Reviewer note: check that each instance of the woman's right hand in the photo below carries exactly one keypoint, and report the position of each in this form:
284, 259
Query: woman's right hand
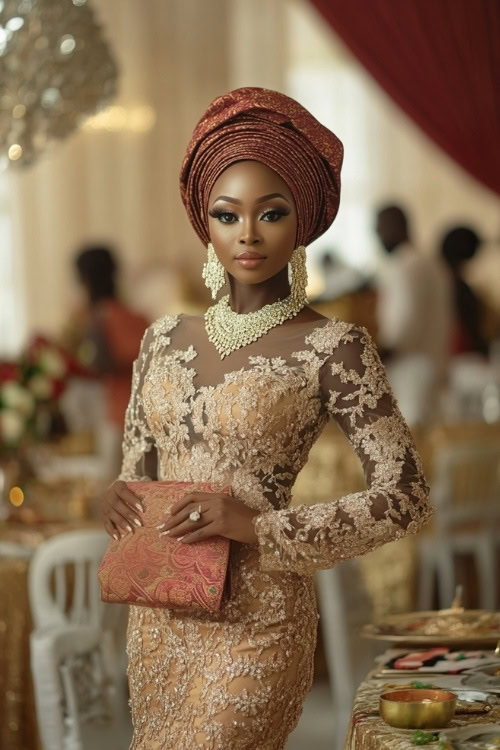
120, 510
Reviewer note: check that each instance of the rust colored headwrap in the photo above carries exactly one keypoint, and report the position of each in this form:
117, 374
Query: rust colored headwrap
269, 127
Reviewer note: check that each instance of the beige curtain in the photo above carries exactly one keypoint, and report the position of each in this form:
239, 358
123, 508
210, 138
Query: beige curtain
122, 186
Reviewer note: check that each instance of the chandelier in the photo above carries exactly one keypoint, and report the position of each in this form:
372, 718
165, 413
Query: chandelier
56, 69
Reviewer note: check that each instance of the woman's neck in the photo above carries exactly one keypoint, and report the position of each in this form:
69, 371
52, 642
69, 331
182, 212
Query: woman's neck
246, 298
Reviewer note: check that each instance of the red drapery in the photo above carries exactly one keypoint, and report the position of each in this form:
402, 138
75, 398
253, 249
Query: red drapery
440, 61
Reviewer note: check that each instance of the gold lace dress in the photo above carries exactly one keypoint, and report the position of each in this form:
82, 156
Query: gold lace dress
237, 679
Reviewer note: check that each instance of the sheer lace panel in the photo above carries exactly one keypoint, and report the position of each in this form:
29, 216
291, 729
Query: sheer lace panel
251, 419
140, 458
356, 393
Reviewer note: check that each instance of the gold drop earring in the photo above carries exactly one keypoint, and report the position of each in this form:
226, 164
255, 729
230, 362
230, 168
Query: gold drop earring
298, 275
213, 272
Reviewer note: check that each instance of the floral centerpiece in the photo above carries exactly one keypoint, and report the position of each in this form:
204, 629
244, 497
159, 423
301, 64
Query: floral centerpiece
17, 407
30, 389
29, 392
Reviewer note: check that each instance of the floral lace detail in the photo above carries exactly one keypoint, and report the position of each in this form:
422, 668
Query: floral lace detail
237, 679
139, 449
357, 394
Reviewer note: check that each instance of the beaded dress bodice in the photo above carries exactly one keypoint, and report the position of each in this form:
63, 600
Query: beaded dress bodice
250, 420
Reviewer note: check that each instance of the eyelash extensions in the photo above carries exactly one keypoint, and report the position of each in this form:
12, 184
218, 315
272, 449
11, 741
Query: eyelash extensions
218, 213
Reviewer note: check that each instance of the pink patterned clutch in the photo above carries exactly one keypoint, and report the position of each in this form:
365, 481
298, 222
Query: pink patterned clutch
144, 568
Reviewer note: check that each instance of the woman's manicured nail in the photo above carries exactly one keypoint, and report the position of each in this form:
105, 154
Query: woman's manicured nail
137, 522
129, 528
160, 526
139, 507
164, 533
115, 536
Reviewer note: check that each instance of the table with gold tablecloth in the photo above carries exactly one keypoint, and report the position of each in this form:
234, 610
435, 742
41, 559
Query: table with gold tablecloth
367, 731
18, 725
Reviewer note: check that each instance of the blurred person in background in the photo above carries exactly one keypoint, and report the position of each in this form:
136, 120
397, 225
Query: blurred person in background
482, 273
111, 337
459, 245
414, 314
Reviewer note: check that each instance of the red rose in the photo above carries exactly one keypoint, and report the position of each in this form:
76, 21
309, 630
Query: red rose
8, 371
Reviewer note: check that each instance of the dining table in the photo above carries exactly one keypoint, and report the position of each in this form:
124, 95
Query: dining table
368, 731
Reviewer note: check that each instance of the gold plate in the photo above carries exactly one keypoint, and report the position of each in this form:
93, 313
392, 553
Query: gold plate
447, 627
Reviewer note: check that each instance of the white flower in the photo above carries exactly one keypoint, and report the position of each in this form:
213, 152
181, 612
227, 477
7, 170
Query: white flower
41, 387
14, 396
11, 425
52, 363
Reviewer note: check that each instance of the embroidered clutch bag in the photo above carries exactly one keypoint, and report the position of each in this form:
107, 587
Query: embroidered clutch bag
146, 569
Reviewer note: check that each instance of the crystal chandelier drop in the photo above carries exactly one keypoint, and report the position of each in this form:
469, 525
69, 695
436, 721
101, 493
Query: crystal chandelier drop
55, 70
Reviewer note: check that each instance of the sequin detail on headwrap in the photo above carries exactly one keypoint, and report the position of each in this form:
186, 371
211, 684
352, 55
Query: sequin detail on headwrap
269, 127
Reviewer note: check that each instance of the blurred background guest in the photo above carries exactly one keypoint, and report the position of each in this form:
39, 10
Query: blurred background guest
414, 317
111, 333
483, 274
474, 374
459, 245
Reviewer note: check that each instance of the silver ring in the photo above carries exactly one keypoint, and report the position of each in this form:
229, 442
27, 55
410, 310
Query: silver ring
195, 515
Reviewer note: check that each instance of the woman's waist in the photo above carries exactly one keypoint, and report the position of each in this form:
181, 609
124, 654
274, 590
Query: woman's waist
245, 484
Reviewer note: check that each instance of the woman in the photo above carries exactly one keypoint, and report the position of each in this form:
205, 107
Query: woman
459, 246
239, 397
113, 330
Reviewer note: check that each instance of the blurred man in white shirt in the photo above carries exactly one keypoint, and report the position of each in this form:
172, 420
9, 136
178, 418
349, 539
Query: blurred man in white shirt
414, 314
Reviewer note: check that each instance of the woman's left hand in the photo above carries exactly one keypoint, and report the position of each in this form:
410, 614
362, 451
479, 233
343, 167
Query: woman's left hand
221, 515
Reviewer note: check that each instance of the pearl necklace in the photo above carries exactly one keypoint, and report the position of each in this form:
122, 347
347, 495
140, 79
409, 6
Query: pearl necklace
228, 330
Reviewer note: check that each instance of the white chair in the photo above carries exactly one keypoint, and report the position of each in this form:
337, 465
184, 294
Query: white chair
77, 646
344, 607
465, 490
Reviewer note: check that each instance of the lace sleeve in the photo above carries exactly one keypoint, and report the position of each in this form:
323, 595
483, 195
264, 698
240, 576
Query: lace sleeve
139, 450
355, 390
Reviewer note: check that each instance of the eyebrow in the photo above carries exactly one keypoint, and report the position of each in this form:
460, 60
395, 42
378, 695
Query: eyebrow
263, 198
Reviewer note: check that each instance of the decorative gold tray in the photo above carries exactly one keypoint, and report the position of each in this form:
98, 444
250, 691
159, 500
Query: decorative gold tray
447, 627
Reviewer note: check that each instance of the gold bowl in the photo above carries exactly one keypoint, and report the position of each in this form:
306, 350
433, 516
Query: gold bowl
418, 709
